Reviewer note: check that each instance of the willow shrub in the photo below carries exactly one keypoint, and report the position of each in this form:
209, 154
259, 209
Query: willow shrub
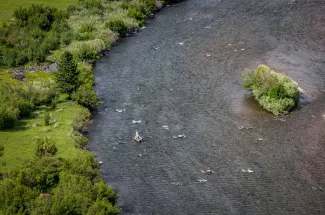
274, 91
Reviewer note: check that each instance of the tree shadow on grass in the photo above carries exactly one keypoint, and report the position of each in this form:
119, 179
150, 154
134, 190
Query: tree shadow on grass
20, 125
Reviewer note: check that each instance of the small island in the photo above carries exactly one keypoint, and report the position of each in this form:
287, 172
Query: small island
274, 91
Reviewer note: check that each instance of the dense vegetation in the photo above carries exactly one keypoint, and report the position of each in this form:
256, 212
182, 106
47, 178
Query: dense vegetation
81, 33
48, 184
274, 91
85, 29
43, 177
19, 99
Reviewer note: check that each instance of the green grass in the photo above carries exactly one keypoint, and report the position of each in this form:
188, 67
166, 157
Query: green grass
36, 76
19, 142
7, 7
4, 74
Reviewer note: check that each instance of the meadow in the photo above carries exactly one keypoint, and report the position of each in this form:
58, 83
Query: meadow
20, 142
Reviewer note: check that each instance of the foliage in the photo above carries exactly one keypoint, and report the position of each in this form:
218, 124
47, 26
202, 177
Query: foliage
67, 74
80, 122
47, 119
34, 33
86, 97
18, 99
2, 148
80, 140
87, 50
274, 91
51, 185
117, 26
44, 92
45, 147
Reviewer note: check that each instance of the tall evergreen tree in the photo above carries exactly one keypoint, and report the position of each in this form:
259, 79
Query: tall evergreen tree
67, 74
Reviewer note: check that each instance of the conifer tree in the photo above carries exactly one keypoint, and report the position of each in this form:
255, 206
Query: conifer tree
67, 74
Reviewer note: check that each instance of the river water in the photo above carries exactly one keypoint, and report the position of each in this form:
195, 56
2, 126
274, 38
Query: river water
184, 71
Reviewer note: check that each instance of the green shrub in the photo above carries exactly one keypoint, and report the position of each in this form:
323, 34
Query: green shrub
47, 118
117, 25
81, 122
80, 140
45, 147
87, 50
86, 76
274, 91
86, 97
85, 32
8, 115
136, 14
2, 148
43, 92
54, 103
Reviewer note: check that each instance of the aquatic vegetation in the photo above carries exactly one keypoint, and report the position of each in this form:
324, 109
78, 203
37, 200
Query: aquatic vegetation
274, 91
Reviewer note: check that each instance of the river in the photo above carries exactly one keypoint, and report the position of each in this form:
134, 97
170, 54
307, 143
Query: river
184, 71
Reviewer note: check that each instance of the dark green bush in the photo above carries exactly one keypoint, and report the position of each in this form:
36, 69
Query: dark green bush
274, 91
47, 118
2, 148
117, 26
86, 96
45, 147
8, 115
80, 140
42, 27
54, 103
136, 14
81, 122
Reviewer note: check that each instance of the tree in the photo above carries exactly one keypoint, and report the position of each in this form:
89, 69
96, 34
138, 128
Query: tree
67, 74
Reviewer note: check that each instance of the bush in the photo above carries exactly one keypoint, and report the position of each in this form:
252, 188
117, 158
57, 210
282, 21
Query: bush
274, 91
44, 92
80, 140
81, 122
45, 147
34, 33
87, 50
2, 148
117, 25
8, 115
54, 103
86, 76
136, 14
47, 119
86, 97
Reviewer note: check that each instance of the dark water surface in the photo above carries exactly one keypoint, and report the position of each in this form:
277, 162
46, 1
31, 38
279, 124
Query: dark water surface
183, 71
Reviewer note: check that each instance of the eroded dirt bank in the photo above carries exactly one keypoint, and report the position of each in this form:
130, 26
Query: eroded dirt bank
183, 71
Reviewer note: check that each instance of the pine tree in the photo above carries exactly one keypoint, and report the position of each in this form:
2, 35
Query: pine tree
67, 74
